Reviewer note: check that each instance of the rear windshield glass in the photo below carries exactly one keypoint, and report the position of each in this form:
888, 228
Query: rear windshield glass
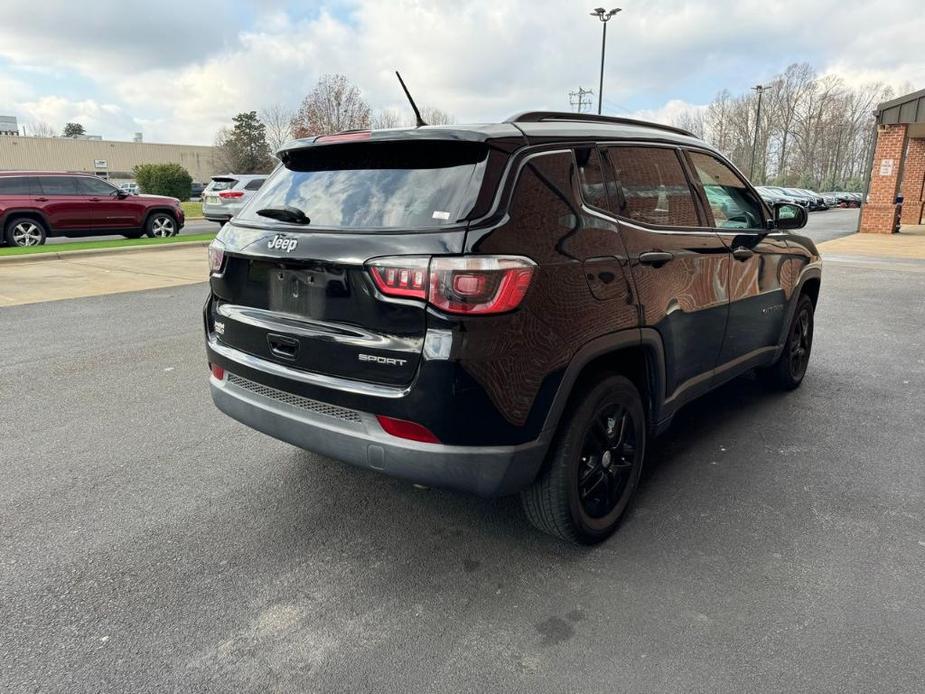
221, 184
377, 185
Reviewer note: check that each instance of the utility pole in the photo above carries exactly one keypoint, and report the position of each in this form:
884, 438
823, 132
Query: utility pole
605, 17
760, 89
578, 101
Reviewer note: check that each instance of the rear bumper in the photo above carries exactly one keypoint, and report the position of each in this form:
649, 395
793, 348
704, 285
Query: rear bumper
355, 437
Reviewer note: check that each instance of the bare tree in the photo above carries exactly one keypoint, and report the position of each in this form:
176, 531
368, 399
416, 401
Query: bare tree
815, 132
387, 119
335, 104
40, 128
278, 121
434, 116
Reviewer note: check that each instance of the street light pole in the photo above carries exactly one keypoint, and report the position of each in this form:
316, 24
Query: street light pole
605, 17
751, 168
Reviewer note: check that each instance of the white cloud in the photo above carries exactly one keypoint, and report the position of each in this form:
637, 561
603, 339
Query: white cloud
179, 71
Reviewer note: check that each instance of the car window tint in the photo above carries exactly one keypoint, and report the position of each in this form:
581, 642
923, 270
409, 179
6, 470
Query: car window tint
93, 186
255, 184
58, 185
733, 204
14, 185
591, 178
651, 186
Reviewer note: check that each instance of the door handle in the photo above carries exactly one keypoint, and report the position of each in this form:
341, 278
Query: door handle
742, 253
94, 199
655, 258
41, 199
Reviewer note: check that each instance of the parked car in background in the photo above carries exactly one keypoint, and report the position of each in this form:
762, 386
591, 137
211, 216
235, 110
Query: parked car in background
842, 198
196, 191
830, 199
225, 195
130, 188
504, 308
773, 196
37, 204
817, 202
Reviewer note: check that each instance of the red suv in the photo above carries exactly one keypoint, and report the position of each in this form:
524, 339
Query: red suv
37, 204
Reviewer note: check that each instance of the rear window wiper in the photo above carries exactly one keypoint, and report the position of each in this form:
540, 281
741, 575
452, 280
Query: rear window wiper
285, 213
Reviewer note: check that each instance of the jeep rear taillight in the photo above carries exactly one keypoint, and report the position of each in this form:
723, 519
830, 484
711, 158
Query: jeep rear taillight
231, 194
479, 284
401, 276
471, 285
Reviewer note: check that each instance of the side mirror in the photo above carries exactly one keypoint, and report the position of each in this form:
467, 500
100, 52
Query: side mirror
121, 194
787, 216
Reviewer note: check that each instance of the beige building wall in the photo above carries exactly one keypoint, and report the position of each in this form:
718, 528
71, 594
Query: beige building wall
113, 159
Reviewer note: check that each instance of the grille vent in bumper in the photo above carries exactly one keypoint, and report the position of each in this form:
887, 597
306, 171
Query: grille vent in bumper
313, 406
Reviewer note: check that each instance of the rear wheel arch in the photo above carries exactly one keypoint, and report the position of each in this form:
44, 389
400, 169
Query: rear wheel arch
634, 354
12, 214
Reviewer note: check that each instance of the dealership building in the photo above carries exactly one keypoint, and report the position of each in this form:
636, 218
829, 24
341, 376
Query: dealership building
896, 179
109, 159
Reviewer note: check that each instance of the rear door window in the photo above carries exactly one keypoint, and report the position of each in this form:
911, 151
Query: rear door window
255, 184
651, 186
405, 184
94, 186
58, 185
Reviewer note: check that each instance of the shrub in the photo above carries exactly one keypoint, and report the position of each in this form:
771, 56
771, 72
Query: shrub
164, 179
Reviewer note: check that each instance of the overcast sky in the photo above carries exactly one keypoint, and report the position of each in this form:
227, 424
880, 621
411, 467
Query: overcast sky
179, 70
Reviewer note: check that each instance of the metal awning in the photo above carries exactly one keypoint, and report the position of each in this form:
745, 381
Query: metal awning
905, 109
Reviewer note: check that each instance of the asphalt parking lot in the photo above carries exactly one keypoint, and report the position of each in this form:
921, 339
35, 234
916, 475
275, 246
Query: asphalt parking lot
148, 543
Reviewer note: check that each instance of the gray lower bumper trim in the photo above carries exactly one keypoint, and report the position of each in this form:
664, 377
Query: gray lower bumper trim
483, 470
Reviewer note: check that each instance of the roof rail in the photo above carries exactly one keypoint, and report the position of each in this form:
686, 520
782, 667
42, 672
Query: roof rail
546, 116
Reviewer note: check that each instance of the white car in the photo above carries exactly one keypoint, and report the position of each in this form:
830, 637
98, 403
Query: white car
225, 195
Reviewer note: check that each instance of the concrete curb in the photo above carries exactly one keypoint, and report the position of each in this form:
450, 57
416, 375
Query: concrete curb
91, 252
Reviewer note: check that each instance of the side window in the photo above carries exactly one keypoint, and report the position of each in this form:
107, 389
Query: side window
733, 205
591, 178
58, 185
94, 186
14, 185
255, 184
651, 187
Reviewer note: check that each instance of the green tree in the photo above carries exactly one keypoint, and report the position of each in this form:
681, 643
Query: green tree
73, 130
244, 149
164, 179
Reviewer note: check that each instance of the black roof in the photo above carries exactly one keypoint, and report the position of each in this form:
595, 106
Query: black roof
531, 127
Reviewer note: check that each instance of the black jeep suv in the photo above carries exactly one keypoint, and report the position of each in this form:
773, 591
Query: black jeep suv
515, 307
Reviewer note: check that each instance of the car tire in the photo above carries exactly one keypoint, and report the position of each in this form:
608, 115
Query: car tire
161, 225
788, 371
24, 232
593, 466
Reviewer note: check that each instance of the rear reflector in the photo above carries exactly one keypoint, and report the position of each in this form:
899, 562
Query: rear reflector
404, 429
218, 372
231, 194
472, 285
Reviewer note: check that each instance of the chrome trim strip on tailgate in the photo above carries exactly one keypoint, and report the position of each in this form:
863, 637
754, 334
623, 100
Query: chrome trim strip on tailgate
344, 384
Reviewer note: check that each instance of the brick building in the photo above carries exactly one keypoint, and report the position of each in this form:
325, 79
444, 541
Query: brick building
898, 165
